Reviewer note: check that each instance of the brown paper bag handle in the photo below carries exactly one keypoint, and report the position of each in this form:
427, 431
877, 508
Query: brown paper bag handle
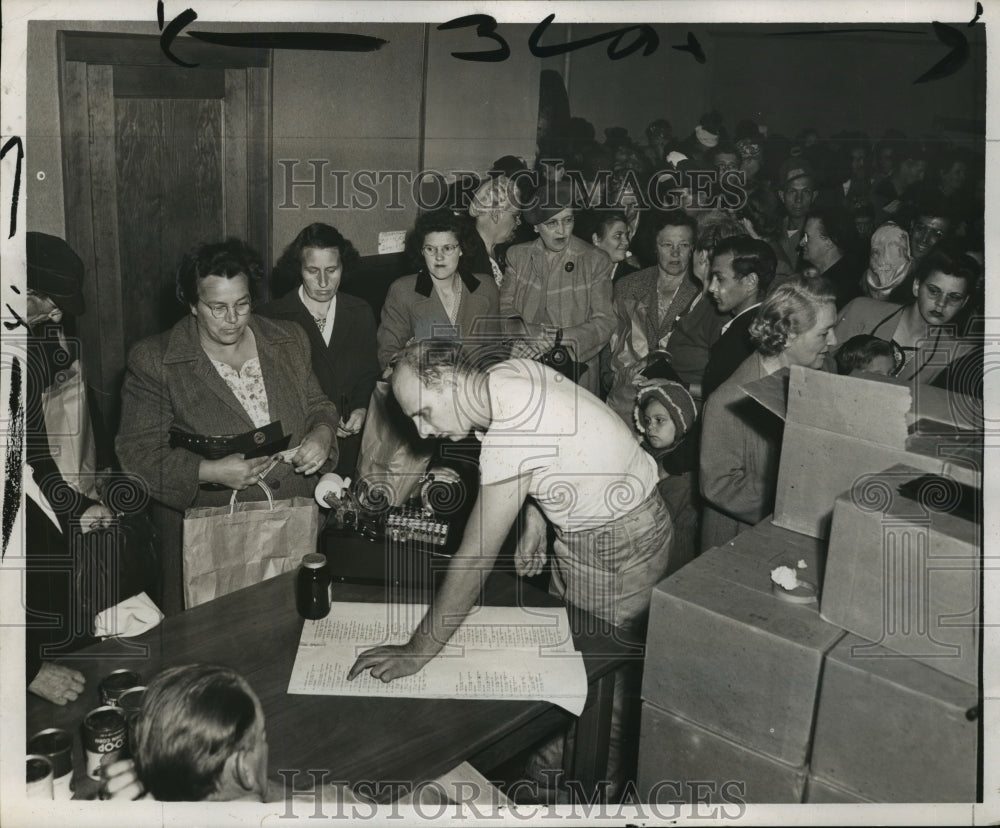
267, 491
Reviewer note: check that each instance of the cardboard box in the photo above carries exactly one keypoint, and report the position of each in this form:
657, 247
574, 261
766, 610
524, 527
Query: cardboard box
820, 791
906, 575
723, 651
678, 759
838, 428
893, 730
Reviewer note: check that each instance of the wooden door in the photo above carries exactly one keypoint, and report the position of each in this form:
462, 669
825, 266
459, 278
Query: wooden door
156, 158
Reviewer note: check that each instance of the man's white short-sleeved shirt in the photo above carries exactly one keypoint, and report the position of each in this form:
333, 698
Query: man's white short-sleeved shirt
587, 468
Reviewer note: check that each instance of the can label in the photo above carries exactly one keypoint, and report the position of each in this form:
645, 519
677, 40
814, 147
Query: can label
116, 683
105, 733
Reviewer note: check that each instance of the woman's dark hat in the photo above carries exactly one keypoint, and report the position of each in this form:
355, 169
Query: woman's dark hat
549, 201
56, 271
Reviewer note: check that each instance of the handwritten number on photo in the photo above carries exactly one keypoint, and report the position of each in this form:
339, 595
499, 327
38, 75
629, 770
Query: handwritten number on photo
647, 39
485, 27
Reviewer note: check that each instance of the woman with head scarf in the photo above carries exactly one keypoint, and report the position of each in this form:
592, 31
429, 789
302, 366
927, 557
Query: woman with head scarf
889, 262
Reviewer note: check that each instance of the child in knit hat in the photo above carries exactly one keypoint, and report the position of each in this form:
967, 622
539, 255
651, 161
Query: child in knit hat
664, 414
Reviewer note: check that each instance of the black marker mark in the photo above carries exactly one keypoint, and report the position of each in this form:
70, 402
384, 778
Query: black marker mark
15, 454
799, 32
159, 14
173, 29
316, 41
485, 27
694, 47
20, 322
648, 40
979, 13
15, 196
948, 35
951, 62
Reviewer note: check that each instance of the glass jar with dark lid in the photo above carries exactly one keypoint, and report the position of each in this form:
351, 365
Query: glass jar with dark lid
312, 587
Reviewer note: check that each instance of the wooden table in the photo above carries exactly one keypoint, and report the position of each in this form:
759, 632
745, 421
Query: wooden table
256, 631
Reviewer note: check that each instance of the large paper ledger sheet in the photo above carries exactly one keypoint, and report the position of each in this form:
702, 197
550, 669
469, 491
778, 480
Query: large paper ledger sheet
510, 653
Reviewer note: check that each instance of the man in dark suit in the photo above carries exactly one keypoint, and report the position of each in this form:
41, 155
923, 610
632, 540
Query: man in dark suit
340, 327
741, 273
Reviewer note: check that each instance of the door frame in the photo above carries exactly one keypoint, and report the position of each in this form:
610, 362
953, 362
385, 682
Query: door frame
87, 87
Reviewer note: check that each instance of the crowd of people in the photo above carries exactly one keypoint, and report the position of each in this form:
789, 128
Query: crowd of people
596, 343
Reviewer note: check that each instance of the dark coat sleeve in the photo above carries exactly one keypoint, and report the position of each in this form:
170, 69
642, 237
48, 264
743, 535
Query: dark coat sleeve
365, 356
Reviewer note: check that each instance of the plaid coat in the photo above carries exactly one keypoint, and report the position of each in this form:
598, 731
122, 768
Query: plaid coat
573, 293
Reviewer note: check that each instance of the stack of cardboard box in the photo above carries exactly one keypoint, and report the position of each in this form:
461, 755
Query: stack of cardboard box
875, 698
899, 699
732, 672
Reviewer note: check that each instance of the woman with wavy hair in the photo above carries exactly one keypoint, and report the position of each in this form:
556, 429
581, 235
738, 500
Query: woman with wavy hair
741, 442
444, 298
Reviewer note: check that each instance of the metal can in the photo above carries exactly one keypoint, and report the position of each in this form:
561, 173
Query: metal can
56, 745
39, 777
130, 703
116, 683
313, 587
105, 733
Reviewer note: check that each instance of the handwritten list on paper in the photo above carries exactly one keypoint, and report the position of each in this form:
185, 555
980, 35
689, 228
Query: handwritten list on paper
509, 653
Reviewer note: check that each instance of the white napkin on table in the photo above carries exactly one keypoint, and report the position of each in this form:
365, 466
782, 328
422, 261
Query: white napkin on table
128, 618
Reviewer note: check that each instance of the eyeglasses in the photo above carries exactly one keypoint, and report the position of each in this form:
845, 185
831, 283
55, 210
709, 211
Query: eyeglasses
447, 249
219, 309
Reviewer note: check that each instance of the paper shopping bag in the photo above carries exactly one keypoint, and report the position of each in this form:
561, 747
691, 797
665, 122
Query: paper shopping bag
228, 548
393, 458
69, 430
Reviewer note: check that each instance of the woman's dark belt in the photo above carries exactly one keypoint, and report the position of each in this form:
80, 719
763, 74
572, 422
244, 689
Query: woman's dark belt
258, 442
